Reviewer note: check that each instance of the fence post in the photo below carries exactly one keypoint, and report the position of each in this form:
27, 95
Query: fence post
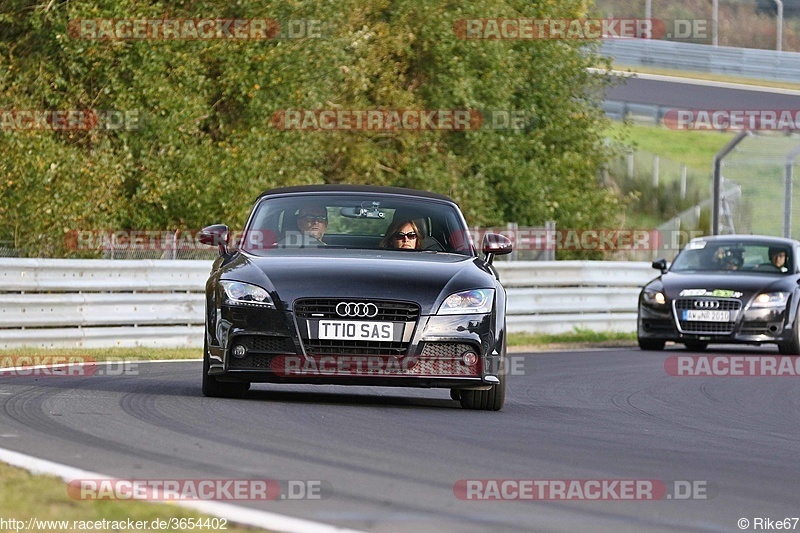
630, 165
656, 170
683, 182
716, 184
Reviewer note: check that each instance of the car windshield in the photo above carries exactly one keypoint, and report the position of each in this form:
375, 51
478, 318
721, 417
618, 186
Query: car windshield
766, 258
356, 221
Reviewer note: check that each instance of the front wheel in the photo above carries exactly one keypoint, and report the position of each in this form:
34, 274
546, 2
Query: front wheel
651, 344
696, 346
218, 389
792, 346
485, 400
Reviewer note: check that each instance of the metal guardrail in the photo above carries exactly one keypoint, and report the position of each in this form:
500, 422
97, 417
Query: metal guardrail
559, 296
101, 303
616, 110
742, 62
104, 303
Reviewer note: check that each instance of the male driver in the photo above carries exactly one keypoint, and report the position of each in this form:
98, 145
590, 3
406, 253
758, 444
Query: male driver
312, 221
777, 256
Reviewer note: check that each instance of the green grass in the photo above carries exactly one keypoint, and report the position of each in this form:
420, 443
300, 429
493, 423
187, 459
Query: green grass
696, 149
75, 355
756, 165
24, 496
578, 336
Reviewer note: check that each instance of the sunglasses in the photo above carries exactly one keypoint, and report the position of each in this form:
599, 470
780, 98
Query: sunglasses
311, 218
411, 235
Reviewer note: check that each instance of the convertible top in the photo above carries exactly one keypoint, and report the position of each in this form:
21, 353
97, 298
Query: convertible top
355, 189
722, 240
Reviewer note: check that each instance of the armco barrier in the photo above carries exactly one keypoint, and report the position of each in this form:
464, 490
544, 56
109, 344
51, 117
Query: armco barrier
98, 303
559, 296
101, 303
740, 62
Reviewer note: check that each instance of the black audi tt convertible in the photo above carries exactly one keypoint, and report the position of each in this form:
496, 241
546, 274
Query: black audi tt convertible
356, 285
725, 289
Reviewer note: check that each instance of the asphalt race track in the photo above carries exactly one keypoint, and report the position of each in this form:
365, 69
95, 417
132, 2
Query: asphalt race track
687, 95
391, 457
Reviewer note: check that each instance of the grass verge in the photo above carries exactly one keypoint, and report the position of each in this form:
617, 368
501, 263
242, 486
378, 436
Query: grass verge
75, 355
24, 497
578, 336
695, 149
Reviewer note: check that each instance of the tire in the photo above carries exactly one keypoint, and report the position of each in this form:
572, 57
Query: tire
485, 400
696, 346
218, 389
651, 344
792, 347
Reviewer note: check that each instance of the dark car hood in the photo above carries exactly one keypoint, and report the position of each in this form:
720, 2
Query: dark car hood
426, 278
746, 283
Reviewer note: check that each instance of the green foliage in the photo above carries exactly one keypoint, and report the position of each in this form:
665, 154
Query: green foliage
204, 146
579, 336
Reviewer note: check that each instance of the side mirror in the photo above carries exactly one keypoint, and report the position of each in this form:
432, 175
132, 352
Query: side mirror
496, 244
660, 264
216, 235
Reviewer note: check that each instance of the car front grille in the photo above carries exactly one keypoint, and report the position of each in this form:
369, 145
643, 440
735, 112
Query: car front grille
447, 350
342, 347
724, 305
252, 361
707, 328
265, 343
388, 311
310, 309
261, 349
754, 328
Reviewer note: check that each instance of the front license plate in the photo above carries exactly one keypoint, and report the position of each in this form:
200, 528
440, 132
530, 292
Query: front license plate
706, 316
356, 330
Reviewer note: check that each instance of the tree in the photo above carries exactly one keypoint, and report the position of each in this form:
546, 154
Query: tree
202, 143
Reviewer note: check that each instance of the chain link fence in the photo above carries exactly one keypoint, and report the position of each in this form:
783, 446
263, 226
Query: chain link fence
763, 166
661, 189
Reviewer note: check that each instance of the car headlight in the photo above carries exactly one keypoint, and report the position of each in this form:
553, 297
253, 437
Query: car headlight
654, 297
245, 293
771, 299
468, 302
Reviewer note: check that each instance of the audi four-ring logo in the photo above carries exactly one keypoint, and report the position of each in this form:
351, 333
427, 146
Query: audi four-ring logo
354, 309
706, 304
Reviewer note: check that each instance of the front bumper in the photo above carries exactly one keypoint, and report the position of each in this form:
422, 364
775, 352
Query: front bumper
455, 351
747, 326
